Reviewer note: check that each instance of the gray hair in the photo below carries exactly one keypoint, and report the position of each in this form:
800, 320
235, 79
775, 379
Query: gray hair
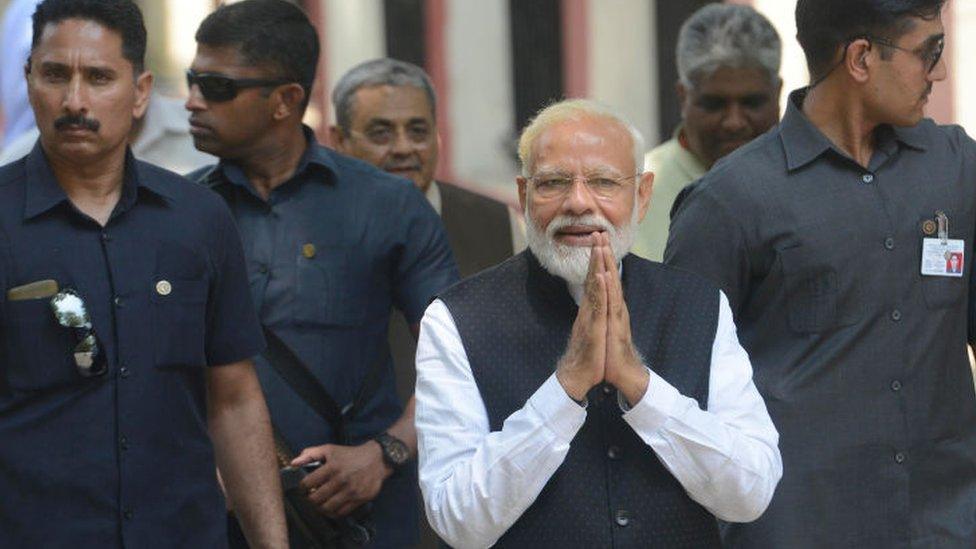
726, 35
378, 72
574, 109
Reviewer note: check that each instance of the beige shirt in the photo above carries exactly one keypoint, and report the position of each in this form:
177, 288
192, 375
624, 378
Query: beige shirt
674, 168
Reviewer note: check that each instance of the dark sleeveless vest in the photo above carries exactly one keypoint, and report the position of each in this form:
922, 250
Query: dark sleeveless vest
611, 491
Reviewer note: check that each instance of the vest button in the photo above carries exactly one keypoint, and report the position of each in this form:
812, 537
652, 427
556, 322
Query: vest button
613, 452
622, 518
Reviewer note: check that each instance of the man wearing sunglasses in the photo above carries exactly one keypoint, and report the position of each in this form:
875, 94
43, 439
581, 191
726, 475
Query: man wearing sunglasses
332, 244
864, 370
125, 322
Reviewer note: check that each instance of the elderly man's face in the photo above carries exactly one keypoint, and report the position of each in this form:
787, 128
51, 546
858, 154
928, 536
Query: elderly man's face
727, 110
83, 91
392, 128
584, 180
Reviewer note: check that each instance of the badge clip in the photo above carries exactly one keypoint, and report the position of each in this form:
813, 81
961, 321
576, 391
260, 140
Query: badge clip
943, 222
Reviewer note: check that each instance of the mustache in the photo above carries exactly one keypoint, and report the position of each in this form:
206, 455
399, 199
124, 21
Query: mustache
563, 221
77, 120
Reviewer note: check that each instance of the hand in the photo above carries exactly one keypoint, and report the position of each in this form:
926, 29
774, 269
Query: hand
624, 369
583, 365
349, 477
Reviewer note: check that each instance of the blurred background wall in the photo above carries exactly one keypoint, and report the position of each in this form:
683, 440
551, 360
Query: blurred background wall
495, 62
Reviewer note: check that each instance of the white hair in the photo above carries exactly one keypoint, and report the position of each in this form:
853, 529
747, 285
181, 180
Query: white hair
575, 110
572, 263
726, 35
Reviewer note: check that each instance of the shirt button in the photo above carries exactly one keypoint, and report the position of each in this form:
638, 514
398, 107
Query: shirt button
896, 386
607, 389
127, 514
867, 178
889, 243
117, 301
263, 269
613, 452
124, 442
900, 457
622, 518
106, 237
896, 315
124, 372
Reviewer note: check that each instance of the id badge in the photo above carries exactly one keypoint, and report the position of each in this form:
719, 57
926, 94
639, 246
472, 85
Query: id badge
943, 257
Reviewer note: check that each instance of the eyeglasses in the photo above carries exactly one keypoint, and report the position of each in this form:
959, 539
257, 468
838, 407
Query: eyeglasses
929, 54
559, 185
219, 88
417, 134
70, 312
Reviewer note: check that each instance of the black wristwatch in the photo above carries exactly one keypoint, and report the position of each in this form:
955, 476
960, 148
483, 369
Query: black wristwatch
395, 452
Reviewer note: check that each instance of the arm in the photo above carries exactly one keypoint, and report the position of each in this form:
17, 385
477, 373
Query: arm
477, 483
707, 238
243, 445
354, 475
726, 458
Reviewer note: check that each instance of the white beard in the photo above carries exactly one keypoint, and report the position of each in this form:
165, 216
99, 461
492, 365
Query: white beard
571, 263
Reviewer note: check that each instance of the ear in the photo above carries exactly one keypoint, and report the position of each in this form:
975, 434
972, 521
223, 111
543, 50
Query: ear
290, 98
858, 60
338, 138
682, 93
522, 191
144, 84
645, 189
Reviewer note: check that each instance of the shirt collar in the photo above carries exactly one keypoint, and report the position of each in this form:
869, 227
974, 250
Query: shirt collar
433, 195
314, 155
804, 143
43, 192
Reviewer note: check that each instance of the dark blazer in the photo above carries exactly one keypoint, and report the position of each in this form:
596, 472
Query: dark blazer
480, 234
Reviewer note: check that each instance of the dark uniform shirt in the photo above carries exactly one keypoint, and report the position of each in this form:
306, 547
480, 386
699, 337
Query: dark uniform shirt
123, 459
328, 255
861, 359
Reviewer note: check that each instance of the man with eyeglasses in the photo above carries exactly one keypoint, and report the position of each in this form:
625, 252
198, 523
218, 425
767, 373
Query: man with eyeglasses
728, 59
864, 370
126, 330
577, 395
332, 245
386, 115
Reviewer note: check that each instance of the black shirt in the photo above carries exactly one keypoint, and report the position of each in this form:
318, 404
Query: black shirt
861, 359
124, 458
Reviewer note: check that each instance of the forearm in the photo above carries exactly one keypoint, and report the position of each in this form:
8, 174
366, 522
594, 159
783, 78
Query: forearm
404, 428
240, 429
729, 466
477, 483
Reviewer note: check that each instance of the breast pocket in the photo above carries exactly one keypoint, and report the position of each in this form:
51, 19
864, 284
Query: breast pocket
179, 311
941, 292
329, 290
37, 350
813, 293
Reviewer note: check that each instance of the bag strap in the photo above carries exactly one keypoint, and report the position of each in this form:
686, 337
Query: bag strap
291, 368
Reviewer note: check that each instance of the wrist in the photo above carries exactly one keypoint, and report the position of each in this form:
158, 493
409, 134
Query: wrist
574, 388
394, 453
632, 383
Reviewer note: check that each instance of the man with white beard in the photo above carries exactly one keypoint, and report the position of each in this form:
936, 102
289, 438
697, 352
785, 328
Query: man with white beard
634, 425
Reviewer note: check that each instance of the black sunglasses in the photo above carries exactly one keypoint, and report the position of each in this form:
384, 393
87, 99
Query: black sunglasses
929, 55
70, 312
217, 87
